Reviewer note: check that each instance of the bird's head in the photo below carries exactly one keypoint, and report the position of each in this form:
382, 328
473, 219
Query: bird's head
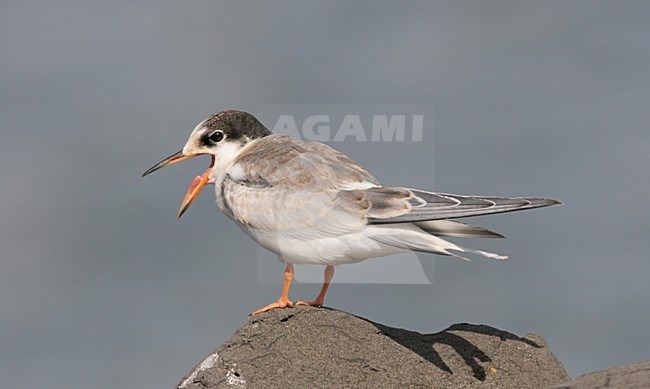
222, 136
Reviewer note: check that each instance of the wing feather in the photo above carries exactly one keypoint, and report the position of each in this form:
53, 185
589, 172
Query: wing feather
440, 206
454, 228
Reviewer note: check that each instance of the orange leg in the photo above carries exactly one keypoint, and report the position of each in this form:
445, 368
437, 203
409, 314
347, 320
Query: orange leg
329, 274
283, 302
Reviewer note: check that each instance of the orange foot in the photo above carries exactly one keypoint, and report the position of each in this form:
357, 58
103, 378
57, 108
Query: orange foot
315, 303
329, 273
281, 303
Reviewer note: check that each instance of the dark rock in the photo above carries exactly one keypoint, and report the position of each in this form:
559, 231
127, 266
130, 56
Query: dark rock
633, 375
308, 347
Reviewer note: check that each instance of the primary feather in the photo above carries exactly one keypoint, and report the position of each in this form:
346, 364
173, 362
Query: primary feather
439, 206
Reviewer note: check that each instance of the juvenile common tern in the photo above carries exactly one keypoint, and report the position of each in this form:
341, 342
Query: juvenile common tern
310, 204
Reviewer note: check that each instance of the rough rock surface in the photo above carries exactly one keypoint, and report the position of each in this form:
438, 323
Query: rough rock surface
307, 347
633, 375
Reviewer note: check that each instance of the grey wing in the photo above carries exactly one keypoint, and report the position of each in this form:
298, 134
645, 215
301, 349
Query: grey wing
395, 211
294, 188
425, 206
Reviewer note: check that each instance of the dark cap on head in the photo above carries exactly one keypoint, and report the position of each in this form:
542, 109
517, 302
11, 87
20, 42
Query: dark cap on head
237, 124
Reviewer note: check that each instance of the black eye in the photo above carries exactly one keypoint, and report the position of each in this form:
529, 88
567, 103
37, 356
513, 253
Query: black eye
216, 136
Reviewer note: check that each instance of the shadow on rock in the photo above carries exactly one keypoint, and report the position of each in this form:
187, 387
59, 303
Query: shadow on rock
425, 344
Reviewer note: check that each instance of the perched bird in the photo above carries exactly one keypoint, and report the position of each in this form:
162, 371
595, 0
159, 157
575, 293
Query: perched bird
310, 204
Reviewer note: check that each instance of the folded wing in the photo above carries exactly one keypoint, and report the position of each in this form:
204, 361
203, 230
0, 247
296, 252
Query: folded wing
297, 190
